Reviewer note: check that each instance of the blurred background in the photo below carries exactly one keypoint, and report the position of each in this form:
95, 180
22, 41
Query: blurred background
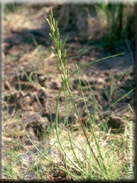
113, 23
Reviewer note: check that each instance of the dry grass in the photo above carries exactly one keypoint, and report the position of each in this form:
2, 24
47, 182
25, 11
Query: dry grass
24, 157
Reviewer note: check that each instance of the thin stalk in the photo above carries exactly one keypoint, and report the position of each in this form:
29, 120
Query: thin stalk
82, 126
97, 144
79, 119
87, 65
57, 132
66, 115
121, 98
55, 37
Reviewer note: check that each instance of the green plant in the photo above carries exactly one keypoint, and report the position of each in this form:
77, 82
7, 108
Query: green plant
118, 18
21, 160
55, 37
62, 68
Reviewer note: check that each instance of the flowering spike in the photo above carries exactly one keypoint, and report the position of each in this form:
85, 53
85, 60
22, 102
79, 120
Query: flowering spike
62, 77
65, 62
58, 68
58, 35
54, 22
59, 54
57, 44
53, 49
67, 72
48, 21
65, 52
60, 43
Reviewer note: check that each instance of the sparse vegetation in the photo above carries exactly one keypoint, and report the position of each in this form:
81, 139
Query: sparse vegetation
69, 123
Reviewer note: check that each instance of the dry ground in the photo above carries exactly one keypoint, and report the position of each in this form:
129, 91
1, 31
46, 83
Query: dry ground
31, 84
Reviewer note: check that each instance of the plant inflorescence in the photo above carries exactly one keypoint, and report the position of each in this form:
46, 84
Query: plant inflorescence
61, 53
